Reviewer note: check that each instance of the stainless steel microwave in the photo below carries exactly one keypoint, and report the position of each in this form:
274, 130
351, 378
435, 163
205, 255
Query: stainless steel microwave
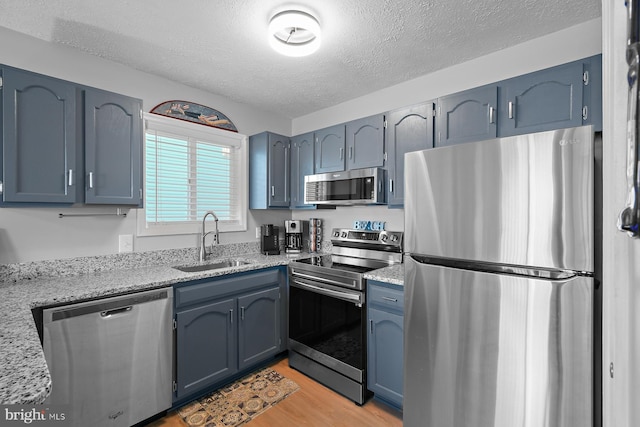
352, 187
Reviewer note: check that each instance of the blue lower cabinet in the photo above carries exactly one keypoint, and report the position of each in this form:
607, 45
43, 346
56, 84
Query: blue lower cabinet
385, 342
259, 333
226, 326
206, 351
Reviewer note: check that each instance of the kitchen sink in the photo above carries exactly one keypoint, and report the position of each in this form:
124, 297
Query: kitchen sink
213, 266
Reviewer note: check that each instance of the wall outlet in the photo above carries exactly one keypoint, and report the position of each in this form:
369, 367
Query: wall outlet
125, 243
257, 232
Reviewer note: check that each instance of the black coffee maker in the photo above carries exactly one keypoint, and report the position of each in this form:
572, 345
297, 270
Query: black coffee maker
293, 231
269, 239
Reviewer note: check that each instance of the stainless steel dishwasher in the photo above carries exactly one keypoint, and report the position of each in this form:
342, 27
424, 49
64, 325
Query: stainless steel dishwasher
111, 359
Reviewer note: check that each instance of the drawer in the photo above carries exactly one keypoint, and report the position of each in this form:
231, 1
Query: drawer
201, 291
386, 297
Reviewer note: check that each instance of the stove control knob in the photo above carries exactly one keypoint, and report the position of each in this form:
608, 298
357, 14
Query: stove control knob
343, 235
384, 237
336, 233
394, 238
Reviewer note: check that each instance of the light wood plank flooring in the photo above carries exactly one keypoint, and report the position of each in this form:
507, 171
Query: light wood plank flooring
312, 405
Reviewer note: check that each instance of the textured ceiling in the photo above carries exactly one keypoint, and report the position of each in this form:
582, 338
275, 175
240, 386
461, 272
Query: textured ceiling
221, 46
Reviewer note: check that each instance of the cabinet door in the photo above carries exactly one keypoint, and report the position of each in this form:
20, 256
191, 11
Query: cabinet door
408, 129
259, 334
279, 147
113, 148
544, 100
329, 148
39, 138
206, 346
467, 116
592, 94
365, 142
385, 353
302, 163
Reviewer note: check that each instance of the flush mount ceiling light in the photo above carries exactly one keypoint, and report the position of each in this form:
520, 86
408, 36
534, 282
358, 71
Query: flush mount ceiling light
294, 33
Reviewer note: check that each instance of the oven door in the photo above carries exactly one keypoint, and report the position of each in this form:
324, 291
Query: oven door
327, 324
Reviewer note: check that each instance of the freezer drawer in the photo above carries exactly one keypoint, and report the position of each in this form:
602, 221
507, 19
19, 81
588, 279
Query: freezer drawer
111, 359
484, 349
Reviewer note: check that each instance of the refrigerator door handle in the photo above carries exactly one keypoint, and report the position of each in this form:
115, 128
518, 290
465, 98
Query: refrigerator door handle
628, 220
488, 267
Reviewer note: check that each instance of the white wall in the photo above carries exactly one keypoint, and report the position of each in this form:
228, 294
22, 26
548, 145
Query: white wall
28, 234
344, 216
621, 255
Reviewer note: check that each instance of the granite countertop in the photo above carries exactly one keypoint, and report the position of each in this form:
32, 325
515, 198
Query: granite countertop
393, 274
24, 376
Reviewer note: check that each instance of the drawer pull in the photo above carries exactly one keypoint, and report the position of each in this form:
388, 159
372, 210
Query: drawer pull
390, 299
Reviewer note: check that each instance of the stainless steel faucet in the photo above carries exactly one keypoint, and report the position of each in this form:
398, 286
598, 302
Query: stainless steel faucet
216, 237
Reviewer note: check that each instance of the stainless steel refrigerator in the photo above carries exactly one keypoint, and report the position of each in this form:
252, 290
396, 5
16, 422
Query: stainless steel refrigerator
499, 287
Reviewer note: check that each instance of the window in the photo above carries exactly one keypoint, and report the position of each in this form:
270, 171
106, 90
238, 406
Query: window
191, 169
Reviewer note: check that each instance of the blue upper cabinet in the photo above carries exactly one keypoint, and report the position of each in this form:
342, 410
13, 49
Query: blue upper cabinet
113, 148
567, 95
302, 163
408, 129
330, 149
564, 96
544, 100
44, 133
592, 92
467, 116
279, 153
40, 141
269, 171
365, 142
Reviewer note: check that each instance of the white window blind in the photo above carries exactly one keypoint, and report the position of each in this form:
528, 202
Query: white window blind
191, 169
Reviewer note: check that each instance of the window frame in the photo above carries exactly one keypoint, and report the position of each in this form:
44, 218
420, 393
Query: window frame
207, 133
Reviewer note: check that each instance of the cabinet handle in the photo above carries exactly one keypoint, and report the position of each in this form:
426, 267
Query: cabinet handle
390, 185
390, 299
371, 325
70, 177
351, 152
241, 313
511, 109
231, 315
90, 179
273, 191
492, 118
286, 173
341, 153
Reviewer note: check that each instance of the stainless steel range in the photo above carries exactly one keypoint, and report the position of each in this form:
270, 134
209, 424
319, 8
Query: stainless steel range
327, 312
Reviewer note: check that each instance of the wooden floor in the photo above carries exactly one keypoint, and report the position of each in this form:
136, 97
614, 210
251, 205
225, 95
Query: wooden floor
312, 405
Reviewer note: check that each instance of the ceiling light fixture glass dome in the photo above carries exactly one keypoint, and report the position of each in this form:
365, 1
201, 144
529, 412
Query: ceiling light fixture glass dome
294, 33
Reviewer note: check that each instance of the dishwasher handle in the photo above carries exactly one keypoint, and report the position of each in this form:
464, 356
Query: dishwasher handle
109, 313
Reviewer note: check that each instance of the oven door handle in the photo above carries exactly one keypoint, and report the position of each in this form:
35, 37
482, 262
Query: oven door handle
317, 279
356, 299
